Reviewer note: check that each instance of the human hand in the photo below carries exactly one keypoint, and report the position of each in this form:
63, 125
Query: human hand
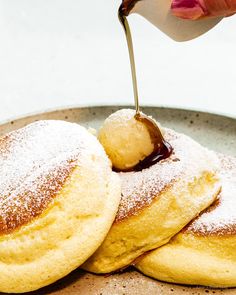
197, 9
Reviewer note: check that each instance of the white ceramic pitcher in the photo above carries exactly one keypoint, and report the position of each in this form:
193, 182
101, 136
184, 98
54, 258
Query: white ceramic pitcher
158, 13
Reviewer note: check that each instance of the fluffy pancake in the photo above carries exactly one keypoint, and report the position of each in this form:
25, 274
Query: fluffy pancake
204, 252
158, 202
58, 200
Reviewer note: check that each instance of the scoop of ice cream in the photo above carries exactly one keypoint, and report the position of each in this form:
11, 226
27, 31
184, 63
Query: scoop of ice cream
196, 9
125, 140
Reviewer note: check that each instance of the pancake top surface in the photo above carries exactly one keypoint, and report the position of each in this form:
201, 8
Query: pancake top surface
220, 218
35, 162
188, 160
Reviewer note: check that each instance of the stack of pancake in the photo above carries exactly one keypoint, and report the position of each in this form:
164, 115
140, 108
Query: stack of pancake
63, 207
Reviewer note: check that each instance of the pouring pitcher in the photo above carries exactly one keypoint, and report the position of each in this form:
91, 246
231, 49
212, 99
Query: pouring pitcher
158, 12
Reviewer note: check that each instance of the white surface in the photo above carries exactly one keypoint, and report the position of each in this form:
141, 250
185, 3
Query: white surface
56, 53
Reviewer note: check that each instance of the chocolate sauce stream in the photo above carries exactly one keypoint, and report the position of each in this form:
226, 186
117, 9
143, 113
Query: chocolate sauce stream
126, 28
162, 149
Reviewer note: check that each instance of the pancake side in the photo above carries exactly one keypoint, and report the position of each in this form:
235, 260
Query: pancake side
220, 218
203, 253
158, 202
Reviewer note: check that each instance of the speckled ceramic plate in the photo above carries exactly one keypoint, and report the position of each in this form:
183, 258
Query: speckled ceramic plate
214, 131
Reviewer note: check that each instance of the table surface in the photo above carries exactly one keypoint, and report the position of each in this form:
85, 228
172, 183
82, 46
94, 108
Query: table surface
58, 53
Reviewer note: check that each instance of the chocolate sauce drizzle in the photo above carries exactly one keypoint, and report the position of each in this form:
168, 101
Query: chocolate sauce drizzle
162, 149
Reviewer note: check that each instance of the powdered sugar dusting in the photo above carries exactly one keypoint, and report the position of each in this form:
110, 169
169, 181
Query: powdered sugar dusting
35, 162
187, 161
121, 116
220, 218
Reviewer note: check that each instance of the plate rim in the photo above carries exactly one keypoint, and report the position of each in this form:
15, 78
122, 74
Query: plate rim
84, 106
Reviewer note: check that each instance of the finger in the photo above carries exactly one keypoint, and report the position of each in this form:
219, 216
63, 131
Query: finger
189, 9
196, 9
